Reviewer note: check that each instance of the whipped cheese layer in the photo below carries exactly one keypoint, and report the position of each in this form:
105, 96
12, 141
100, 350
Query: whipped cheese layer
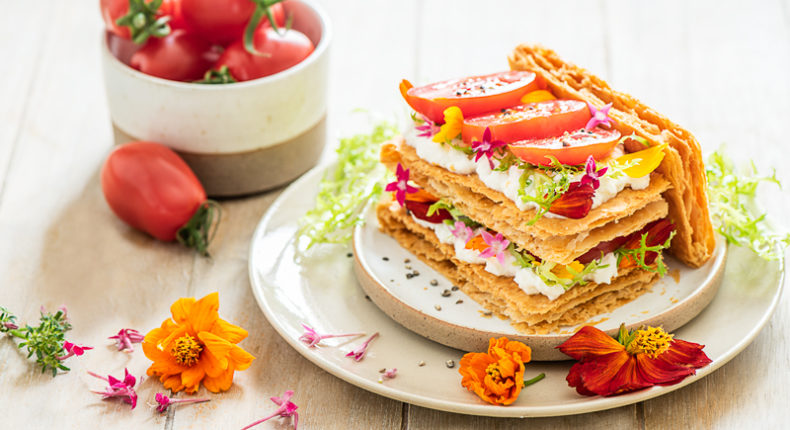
508, 182
526, 277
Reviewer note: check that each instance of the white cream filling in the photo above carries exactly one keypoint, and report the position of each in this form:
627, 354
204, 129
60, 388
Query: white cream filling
525, 277
508, 182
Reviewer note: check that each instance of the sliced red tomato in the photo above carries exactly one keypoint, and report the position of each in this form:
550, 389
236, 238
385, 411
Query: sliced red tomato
529, 121
179, 56
420, 202
473, 95
570, 148
283, 49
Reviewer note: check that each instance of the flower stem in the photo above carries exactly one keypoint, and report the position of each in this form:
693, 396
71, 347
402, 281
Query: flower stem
529, 382
261, 420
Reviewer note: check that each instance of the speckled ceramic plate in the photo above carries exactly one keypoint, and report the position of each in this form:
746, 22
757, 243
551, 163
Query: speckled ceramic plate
322, 291
453, 319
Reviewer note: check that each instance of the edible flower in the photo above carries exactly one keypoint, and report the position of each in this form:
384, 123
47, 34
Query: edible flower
537, 96
427, 128
487, 146
599, 117
312, 338
196, 346
126, 338
462, 231
453, 123
592, 173
644, 161
286, 409
359, 352
73, 349
576, 202
388, 374
401, 185
496, 376
164, 402
497, 246
637, 359
123, 389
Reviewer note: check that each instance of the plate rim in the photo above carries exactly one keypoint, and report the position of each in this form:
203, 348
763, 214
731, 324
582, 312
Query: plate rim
590, 404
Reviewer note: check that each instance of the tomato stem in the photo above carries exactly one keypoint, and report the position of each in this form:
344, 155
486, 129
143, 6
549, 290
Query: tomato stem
198, 232
221, 76
261, 9
143, 22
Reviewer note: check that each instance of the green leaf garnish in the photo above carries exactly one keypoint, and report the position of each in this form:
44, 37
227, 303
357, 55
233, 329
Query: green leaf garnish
345, 190
550, 182
734, 209
44, 341
639, 254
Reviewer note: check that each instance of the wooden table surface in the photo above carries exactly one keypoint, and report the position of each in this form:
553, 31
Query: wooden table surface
718, 68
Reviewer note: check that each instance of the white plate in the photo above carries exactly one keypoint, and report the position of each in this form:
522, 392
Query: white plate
381, 270
323, 292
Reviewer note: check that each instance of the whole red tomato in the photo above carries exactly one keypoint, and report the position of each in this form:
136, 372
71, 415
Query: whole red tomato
223, 23
281, 49
113, 10
152, 189
179, 56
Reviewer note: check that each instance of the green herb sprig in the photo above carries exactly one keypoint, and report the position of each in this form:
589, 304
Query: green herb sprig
550, 183
639, 254
44, 341
734, 210
345, 190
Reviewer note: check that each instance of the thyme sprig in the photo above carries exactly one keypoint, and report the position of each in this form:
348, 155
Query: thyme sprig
44, 341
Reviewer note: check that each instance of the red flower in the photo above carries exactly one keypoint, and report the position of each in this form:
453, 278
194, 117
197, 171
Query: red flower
636, 360
576, 202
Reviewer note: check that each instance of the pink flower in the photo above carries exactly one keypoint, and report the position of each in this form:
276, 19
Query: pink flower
359, 352
461, 231
401, 185
497, 245
428, 128
165, 402
599, 116
125, 339
592, 173
487, 147
286, 409
73, 349
117, 388
311, 338
388, 374
10, 326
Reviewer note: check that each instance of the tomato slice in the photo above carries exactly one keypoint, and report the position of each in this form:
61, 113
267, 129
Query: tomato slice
570, 148
473, 95
528, 121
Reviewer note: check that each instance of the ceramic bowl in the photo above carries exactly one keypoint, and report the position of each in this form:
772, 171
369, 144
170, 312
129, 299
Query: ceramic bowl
239, 138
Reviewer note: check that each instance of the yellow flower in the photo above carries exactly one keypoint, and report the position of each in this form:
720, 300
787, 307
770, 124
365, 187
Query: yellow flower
645, 160
562, 270
537, 96
453, 122
196, 346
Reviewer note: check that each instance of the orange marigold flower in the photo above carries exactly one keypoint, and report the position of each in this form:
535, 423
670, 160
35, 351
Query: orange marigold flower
496, 376
635, 360
196, 346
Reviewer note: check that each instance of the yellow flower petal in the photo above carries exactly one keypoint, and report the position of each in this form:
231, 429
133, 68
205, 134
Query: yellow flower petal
193, 375
537, 96
453, 123
181, 309
217, 346
231, 333
204, 313
222, 382
646, 160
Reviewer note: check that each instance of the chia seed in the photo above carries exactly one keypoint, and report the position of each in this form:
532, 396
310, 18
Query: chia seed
446, 293
409, 275
415, 273
450, 364
407, 261
455, 288
382, 370
421, 363
459, 301
408, 267
437, 307
434, 282
385, 258
349, 255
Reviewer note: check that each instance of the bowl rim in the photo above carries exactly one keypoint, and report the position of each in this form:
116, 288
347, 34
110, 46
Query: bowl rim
318, 52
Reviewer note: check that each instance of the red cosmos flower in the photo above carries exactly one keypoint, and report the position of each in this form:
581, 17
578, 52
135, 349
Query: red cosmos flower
636, 360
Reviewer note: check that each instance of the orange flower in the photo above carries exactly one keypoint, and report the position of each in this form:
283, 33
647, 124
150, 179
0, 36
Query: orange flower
636, 360
196, 345
498, 375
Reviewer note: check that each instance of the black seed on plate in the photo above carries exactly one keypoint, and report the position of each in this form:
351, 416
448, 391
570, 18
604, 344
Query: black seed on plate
455, 288
450, 364
382, 370
459, 301
421, 363
367, 296
446, 293
487, 313
349, 255
408, 267
407, 261
437, 307
434, 282
409, 275
415, 273
392, 280
385, 258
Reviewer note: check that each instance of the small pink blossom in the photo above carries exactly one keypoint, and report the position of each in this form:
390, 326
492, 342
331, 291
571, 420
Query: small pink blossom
359, 352
592, 173
388, 374
73, 349
487, 146
10, 326
497, 245
599, 116
165, 402
428, 128
286, 409
126, 338
311, 338
461, 231
123, 389
401, 185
